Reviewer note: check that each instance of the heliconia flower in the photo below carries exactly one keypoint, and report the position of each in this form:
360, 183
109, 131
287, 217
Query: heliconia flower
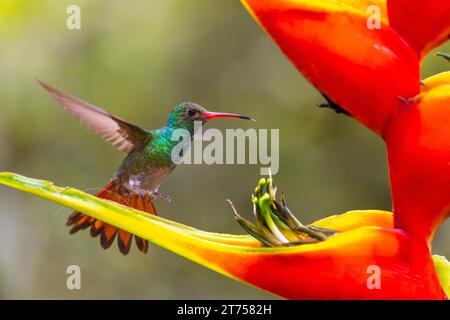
366, 259
373, 74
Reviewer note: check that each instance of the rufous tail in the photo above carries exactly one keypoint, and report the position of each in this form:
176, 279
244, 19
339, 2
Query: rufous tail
108, 233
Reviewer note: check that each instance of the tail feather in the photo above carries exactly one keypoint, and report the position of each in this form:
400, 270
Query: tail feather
141, 244
96, 228
81, 223
124, 241
108, 233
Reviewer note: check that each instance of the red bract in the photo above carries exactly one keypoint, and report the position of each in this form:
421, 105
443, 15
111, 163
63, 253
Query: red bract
418, 143
423, 24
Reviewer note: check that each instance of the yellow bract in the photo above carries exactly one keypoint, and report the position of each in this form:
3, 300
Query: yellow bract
233, 255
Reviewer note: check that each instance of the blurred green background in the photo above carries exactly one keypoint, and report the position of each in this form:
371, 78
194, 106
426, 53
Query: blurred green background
137, 61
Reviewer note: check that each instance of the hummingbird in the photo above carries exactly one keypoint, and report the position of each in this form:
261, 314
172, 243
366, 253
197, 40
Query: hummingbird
148, 162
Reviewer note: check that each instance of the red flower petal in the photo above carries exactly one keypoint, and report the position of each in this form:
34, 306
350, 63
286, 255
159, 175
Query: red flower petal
418, 142
423, 23
364, 71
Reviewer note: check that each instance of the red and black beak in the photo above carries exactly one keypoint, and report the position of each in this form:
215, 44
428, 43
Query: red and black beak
214, 115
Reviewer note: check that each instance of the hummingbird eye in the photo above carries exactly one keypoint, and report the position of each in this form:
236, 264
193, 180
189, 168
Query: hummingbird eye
191, 112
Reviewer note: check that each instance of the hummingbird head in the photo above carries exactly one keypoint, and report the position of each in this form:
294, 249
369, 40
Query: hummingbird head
184, 115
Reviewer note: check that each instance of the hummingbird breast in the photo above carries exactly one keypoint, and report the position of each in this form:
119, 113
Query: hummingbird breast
144, 169
147, 181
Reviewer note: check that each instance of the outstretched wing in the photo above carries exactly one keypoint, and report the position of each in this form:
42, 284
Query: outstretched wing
123, 135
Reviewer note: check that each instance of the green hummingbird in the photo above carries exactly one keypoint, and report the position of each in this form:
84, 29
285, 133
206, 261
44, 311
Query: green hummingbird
148, 162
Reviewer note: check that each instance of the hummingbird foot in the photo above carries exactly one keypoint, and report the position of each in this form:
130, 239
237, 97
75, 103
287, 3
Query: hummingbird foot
157, 194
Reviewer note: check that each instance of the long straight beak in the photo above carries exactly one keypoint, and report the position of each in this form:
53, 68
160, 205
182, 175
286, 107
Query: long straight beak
213, 115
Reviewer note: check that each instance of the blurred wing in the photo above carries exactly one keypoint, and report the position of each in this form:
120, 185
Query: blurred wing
123, 135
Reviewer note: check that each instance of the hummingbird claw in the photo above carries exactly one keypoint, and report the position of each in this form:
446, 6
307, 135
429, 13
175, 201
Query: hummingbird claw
157, 194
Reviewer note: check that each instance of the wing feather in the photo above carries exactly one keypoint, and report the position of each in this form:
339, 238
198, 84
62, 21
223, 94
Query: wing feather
123, 135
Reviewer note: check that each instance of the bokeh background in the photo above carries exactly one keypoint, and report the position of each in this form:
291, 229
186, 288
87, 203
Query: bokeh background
139, 60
